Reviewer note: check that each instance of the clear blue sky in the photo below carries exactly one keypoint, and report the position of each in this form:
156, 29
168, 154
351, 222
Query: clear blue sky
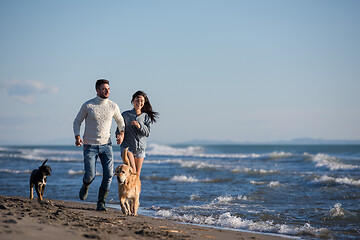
216, 70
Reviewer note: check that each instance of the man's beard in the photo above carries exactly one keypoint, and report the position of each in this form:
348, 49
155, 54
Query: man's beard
104, 96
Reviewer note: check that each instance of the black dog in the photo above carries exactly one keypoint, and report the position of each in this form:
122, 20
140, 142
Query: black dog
38, 179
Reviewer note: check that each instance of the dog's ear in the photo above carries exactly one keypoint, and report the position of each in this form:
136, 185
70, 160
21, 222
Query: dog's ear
125, 157
132, 171
44, 162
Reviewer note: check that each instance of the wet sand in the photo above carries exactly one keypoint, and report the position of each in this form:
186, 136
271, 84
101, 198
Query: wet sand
22, 218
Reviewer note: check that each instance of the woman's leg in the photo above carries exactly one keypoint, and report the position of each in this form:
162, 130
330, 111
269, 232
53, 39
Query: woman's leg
139, 163
132, 160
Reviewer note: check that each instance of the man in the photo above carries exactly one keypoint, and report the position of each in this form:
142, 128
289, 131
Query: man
98, 113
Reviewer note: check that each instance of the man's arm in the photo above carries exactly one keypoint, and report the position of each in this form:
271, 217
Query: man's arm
77, 123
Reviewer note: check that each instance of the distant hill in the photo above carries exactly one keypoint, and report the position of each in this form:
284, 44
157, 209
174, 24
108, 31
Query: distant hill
209, 142
318, 141
297, 141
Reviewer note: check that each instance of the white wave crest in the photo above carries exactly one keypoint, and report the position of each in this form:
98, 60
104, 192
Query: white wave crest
39, 154
257, 183
194, 151
24, 156
241, 197
155, 149
176, 161
164, 213
227, 199
200, 165
275, 184
270, 184
280, 154
223, 199
333, 163
81, 172
228, 221
183, 178
338, 212
220, 202
341, 180
254, 171
194, 196
187, 164
15, 171
73, 172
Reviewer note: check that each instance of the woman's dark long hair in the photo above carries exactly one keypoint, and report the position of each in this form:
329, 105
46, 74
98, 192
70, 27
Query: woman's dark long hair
147, 108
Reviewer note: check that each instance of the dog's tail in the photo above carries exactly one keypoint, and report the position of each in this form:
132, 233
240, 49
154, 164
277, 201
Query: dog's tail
125, 158
44, 162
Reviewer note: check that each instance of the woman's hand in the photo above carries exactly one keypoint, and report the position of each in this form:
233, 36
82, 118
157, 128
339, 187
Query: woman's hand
136, 124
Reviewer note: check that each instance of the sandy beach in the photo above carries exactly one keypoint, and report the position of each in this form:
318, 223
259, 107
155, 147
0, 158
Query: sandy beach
22, 218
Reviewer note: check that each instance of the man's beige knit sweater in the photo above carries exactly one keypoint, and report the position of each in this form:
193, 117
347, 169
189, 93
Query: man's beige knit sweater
98, 114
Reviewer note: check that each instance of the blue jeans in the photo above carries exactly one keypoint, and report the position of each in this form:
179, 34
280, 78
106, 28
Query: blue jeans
91, 154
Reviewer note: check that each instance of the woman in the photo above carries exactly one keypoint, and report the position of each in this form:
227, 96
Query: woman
137, 129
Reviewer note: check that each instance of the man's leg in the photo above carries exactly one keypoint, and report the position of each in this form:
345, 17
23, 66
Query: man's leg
107, 162
90, 156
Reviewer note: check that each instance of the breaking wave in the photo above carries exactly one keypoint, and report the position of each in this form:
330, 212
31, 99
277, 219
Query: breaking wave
183, 178
81, 172
340, 180
15, 171
332, 163
198, 151
37, 154
228, 221
254, 171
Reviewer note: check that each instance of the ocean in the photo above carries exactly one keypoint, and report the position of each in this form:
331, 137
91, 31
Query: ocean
306, 191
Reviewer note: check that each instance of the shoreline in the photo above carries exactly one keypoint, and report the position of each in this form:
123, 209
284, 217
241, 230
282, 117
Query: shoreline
22, 218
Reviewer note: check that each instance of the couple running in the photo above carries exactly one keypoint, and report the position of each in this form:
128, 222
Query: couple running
133, 127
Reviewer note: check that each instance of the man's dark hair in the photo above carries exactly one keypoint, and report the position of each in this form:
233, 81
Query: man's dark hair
100, 82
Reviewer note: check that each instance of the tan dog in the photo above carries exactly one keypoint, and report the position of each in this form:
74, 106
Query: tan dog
129, 186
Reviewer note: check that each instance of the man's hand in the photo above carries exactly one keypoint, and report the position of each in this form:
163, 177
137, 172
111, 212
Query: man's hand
120, 138
78, 141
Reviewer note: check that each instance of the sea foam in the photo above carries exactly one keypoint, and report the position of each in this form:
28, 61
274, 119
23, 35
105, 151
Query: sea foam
338, 212
228, 221
81, 172
42, 154
196, 151
340, 180
252, 171
183, 178
73, 172
15, 171
333, 163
